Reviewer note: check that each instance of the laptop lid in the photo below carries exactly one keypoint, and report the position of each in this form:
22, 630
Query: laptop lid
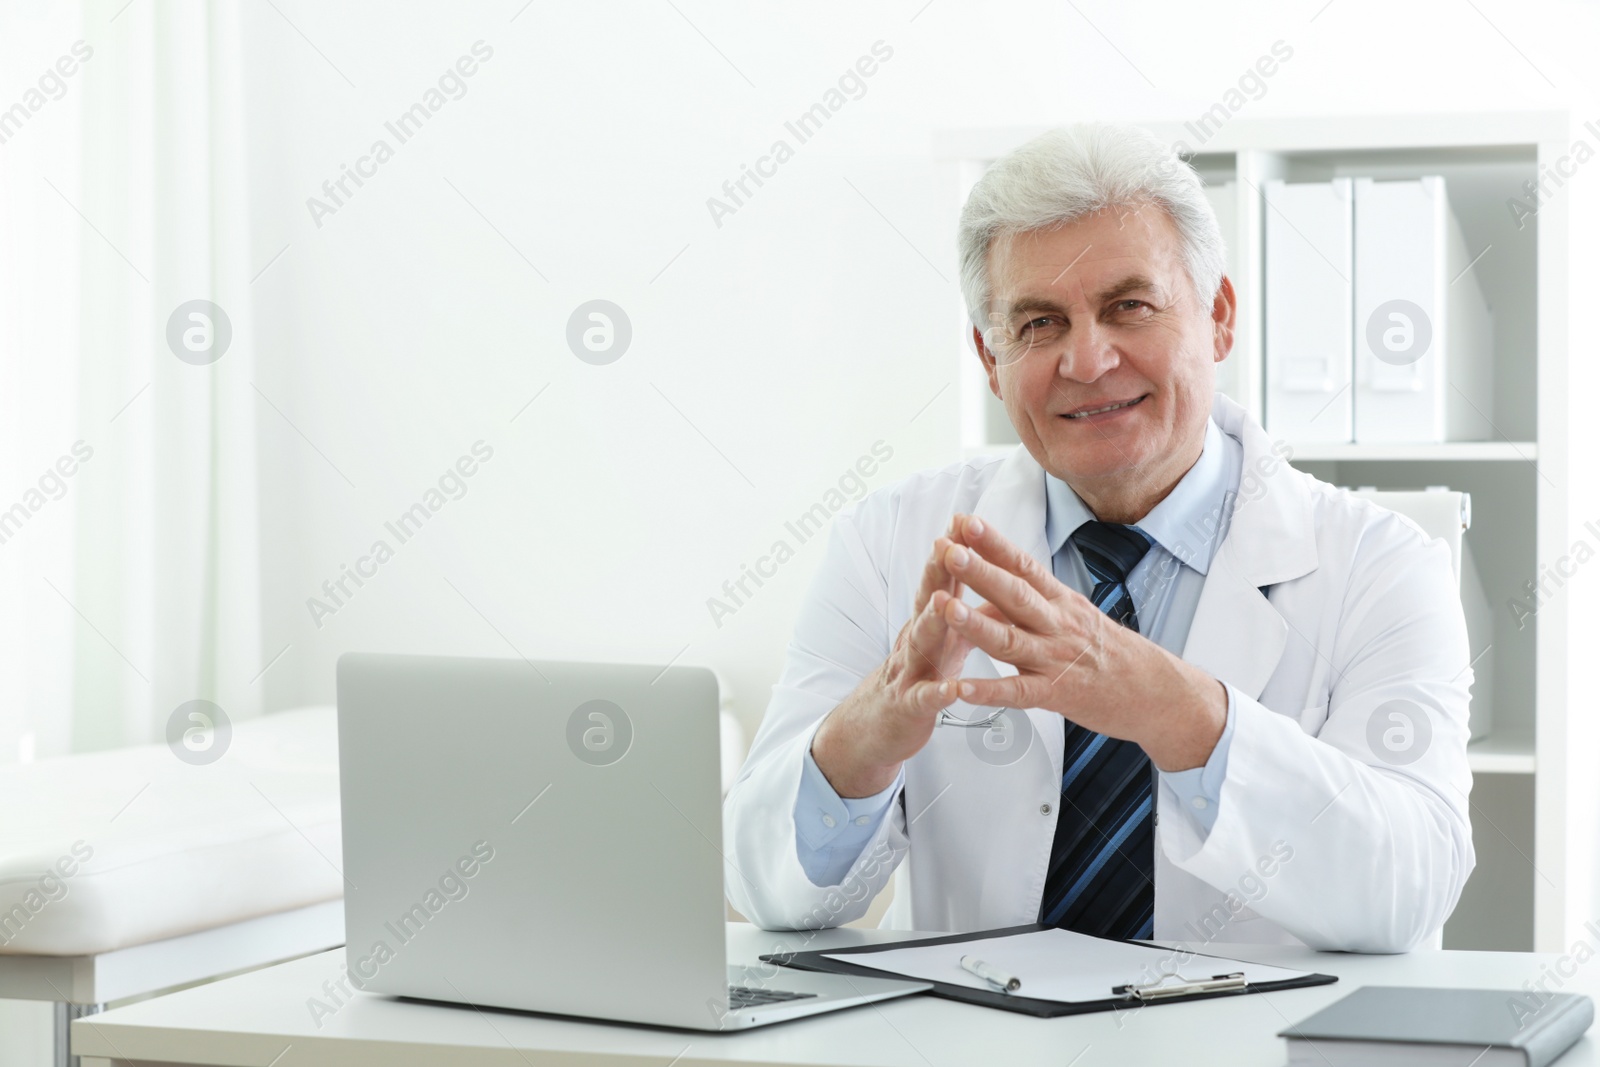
533, 835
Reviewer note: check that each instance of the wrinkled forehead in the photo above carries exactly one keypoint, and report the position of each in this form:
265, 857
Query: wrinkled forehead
1100, 256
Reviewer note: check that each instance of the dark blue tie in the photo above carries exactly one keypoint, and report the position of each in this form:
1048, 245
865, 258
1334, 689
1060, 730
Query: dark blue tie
1102, 865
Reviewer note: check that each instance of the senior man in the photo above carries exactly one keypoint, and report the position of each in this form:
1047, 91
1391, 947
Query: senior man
1138, 678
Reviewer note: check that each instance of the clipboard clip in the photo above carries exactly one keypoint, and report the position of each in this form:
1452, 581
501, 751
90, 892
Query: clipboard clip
1160, 990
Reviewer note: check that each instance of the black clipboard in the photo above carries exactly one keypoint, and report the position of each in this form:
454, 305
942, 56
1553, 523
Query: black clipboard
819, 960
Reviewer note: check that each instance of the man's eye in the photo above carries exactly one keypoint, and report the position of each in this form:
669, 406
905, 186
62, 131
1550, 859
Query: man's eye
1129, 305
1037, 324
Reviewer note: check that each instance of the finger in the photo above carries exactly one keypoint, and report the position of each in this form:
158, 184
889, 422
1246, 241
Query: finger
934, 694
999, 639
990, 611
995, 692
956, 646
935, 576
1010, 592
937, 652
926, 638
993, 546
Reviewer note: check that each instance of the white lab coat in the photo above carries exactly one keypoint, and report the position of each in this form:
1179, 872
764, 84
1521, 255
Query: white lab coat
1325, 833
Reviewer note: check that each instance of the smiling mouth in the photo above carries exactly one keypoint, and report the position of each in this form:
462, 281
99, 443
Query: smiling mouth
1103, 409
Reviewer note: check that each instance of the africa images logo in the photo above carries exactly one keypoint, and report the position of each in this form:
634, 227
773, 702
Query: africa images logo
199, 332
1398, 732
599, 732
1004, 741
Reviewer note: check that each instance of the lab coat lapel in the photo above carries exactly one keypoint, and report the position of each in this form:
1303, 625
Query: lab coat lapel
1236, 635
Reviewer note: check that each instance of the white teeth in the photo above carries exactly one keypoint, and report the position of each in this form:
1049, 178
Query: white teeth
1108, 407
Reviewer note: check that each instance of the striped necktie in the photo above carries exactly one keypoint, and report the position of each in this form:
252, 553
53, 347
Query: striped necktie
1102, 865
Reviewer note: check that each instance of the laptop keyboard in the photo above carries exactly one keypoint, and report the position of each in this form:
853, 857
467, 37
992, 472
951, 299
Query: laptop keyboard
745, 997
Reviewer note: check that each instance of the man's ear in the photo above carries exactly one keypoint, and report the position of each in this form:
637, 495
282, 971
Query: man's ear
986, 357
1224, 311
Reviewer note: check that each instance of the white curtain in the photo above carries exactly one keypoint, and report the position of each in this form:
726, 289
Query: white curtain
138, 588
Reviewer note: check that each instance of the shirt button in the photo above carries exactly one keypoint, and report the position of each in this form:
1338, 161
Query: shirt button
861, 820
827, 820
1044, 809
1199, 803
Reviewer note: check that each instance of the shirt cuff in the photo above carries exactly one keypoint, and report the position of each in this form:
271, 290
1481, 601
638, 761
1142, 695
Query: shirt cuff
1199, 789
830, 830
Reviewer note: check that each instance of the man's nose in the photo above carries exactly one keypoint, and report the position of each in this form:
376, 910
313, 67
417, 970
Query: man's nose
1089, 352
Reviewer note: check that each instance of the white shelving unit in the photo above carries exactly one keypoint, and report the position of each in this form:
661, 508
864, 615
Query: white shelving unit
1518, 895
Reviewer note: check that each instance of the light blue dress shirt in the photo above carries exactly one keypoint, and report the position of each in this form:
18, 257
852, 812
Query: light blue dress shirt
1185, 529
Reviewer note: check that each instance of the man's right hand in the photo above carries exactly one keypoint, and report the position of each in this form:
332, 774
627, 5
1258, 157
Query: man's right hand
889, 717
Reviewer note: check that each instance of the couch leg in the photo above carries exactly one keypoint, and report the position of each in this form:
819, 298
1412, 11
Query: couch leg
65, 1013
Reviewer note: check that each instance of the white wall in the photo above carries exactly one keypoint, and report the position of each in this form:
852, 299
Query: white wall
792, 338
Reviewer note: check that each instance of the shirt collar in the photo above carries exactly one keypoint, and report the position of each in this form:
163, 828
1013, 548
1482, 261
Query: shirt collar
1186, 522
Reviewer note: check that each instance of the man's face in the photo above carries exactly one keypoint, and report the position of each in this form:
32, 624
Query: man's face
1097, 313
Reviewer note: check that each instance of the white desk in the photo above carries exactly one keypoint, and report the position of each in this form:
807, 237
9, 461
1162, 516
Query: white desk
262, 1018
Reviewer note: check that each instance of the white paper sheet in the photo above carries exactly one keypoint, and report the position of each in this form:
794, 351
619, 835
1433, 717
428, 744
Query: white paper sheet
1059, 964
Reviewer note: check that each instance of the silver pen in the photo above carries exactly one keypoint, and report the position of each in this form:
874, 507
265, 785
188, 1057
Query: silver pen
1006, 982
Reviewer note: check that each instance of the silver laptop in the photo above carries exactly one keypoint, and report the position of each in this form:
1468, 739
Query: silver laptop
547, 837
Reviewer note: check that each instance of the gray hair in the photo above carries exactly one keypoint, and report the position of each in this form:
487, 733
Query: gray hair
1073, 171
